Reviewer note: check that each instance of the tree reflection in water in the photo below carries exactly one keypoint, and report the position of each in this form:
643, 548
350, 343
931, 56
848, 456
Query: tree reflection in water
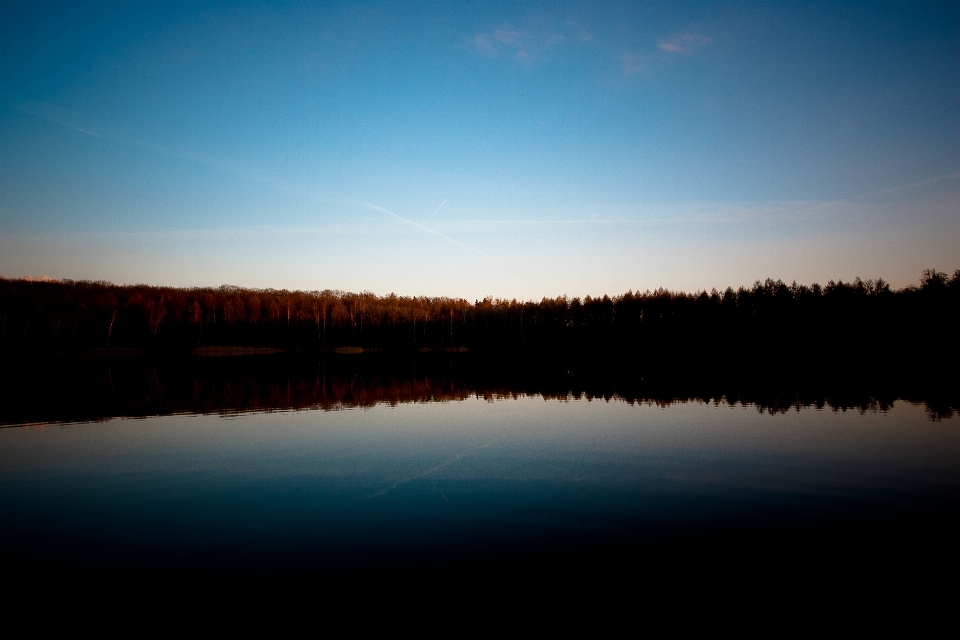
97, 388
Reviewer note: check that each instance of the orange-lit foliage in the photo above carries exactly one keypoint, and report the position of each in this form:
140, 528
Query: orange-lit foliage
862, 315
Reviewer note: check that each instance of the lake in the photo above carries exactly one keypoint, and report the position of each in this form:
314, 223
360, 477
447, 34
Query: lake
461, 481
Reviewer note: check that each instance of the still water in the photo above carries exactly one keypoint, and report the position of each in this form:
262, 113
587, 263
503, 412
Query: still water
472, 480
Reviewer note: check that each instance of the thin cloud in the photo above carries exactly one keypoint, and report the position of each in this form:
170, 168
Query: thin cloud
483, 45
881, 192
44, 113
370, 205
528, 43
634, 62
788, 211
505, 39
683, 42
555, 39
509, 36
281, 185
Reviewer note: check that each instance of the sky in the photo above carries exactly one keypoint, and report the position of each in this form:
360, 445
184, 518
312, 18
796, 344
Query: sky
517, 150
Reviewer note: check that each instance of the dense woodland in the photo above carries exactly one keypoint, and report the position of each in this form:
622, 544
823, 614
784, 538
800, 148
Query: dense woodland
771, 319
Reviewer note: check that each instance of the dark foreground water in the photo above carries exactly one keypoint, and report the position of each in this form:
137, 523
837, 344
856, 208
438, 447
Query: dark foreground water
474, 483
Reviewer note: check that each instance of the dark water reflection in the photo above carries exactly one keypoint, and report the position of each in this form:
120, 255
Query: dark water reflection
90, 389
446, 471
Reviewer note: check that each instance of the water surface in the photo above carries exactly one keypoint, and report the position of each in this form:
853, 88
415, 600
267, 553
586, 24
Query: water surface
466, 481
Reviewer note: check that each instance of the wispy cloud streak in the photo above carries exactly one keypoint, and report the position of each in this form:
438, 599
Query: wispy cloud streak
428, 230
43, 115
881, 192
634, 62
252, 175
683, 42
534, 41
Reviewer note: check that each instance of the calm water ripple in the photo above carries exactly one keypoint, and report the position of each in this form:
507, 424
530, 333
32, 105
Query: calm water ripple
437, 484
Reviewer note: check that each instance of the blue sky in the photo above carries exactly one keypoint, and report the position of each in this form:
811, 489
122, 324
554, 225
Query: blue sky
514, 150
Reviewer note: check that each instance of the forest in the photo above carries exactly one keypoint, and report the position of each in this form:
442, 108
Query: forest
771, 319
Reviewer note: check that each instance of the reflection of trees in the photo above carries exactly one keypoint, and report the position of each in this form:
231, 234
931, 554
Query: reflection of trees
156, 312
65, 389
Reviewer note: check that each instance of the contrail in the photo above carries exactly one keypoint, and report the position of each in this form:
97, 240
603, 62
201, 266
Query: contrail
786, 210
881, 192
396, 484
130, 141
918, 183
438, 208
429, 230
233, 168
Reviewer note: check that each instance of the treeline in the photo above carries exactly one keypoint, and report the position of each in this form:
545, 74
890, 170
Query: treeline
769, 319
